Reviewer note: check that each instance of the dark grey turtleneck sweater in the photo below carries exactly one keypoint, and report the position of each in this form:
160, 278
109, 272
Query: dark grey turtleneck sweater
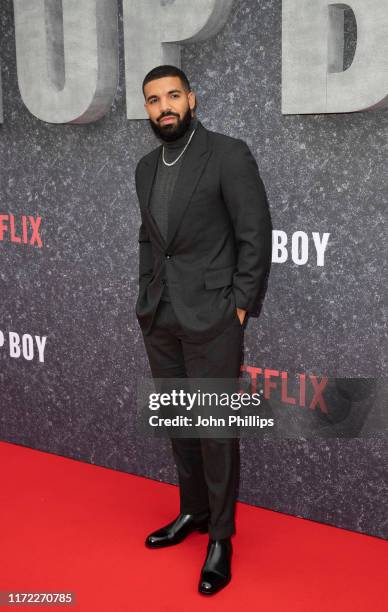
164, 183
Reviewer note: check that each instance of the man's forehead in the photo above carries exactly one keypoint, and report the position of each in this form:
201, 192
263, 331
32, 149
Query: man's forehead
162, 85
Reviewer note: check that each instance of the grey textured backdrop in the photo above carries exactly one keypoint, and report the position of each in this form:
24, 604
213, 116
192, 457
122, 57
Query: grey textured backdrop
322, 173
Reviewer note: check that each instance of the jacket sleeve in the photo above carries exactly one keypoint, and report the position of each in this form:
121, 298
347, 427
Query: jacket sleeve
145, 247
244, 194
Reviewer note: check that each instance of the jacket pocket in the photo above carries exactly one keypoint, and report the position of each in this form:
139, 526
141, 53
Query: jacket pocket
220, 277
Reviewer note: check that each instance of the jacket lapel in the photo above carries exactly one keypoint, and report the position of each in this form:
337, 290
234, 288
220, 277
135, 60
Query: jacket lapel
193, 163
151, 164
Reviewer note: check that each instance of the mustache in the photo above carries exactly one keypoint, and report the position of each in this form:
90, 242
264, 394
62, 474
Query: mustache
167, 115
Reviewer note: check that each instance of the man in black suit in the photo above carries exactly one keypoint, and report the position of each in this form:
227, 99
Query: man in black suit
205, 250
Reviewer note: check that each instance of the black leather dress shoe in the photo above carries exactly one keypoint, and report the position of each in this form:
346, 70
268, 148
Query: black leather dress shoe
176, 531
216, 572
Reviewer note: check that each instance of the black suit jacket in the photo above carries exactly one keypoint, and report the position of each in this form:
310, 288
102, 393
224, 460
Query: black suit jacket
218, 250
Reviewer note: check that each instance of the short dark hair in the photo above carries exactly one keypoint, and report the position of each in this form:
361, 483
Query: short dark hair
164, 71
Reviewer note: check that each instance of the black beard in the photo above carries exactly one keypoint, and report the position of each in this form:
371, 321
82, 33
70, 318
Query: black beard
169, 133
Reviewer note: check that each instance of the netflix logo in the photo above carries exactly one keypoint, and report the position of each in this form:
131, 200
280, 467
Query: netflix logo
23, 230
304, 391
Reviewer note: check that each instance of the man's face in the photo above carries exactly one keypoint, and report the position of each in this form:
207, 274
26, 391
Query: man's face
169, 107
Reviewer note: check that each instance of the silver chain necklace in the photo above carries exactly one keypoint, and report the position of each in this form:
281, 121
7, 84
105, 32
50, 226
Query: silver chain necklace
180, 154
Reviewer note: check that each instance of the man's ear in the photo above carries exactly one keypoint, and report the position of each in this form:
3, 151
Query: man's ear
192, 100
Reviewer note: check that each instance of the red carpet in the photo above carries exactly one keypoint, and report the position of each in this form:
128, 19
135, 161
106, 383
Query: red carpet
73, 527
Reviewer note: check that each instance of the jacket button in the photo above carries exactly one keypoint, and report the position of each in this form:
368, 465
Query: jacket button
168, 255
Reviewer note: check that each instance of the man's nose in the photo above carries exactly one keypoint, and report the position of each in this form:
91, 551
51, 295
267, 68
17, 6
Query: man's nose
165, 106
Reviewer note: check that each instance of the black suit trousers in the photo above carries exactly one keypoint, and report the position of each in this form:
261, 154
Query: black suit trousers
208, 468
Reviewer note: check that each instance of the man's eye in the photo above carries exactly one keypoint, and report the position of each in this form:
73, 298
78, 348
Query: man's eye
175, 95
